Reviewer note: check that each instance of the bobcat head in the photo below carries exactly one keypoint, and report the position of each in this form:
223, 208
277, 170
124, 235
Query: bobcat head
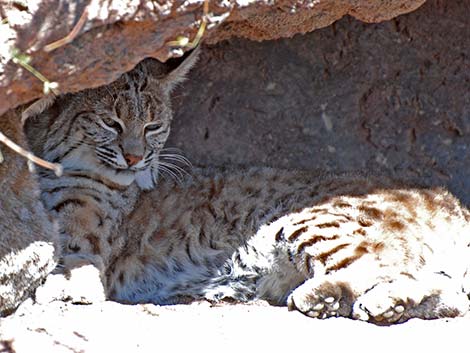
117, 130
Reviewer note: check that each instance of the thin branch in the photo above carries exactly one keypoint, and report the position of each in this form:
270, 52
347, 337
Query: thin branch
57, 168
182, 41
202, 28
71, 36
22, 60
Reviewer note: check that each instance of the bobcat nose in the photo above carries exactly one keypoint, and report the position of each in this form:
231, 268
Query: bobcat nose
132, 159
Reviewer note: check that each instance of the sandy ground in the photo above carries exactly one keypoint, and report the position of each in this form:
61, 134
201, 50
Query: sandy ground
113, 327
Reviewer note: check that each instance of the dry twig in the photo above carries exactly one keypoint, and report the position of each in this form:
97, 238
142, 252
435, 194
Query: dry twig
69, 37
23, 60
57, 168
182, 41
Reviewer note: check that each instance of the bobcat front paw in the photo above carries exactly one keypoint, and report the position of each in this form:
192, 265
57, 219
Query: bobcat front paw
432, 296
321, 300
387, 302
78, 281
379, 310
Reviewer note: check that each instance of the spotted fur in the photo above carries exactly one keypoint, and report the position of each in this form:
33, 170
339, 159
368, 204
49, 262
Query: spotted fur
326, 245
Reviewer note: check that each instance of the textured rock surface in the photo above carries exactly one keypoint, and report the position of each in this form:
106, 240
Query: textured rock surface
392, 96
118, 34
27, 235
111, 327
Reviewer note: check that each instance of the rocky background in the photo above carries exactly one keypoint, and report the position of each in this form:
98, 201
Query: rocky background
392, 96
111, 36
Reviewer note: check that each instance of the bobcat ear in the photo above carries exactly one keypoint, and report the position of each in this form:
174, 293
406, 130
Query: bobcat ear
37, 107
178, 75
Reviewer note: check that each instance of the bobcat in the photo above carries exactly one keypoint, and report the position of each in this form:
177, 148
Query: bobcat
28, 237
327, 245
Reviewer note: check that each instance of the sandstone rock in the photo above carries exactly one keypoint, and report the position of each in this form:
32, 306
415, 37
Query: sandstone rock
28, 238
392, 96
117, 34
